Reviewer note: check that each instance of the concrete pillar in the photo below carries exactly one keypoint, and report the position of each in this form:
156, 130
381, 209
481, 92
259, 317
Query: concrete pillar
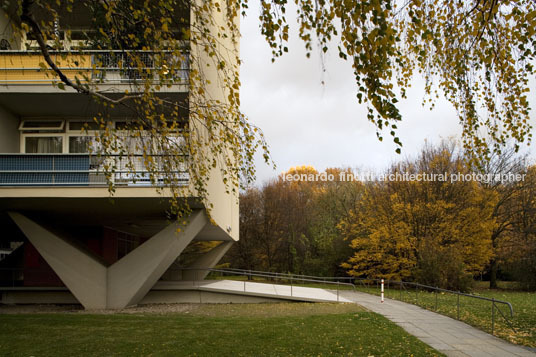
130, 278
125, 282
208, 260
83, 275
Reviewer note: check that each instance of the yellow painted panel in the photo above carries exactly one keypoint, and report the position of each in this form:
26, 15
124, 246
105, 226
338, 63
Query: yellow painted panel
24, 68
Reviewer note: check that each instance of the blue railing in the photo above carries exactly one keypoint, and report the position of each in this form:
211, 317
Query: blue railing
83, 170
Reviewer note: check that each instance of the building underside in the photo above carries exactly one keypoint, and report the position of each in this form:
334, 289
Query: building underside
108, 252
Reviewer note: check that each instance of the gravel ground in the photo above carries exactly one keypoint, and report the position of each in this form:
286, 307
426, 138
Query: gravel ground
77, 309
220, 310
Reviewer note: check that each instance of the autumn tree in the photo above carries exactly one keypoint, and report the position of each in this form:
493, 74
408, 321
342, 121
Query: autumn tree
332, 202
291, 224
272, 223
517, 249
254, 248
441, 229
434, 231
506, 210
479, 54
381, 242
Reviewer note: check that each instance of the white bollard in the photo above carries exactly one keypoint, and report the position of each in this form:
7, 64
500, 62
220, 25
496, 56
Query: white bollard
382, 292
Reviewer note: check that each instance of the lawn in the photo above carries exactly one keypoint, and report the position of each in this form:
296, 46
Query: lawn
293, 329
478, 312
472, 311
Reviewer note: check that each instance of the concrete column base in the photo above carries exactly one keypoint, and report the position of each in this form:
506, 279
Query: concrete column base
208, 260
125, 282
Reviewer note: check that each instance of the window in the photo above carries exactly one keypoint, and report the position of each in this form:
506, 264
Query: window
80, 144
83, 125
43, 145
126, 243
83, 35
42, 125
125, 125
173, 126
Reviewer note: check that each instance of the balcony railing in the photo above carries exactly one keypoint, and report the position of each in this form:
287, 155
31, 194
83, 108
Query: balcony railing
84, 170
98, 67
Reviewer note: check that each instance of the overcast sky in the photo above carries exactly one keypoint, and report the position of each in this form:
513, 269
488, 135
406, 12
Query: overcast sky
309, 123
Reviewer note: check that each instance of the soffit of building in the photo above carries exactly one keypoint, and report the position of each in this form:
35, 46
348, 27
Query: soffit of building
143, 217
79, 13
55, 105
80, 16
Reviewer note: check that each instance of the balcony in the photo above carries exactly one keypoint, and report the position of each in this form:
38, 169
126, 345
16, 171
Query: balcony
103, 69
82, 170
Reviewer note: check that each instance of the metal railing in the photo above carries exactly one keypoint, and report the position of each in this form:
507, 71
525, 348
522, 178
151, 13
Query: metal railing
403, 286
292, 280
323, 278
86, 170
107, 67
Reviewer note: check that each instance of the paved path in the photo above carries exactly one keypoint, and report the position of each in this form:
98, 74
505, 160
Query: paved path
449, 336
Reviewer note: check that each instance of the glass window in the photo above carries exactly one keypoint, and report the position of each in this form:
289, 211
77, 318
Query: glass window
82, 35
79, 125
44, 145
81, 144
41, 125
124, 125
121, 125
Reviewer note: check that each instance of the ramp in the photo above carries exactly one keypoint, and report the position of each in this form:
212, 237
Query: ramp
254, 289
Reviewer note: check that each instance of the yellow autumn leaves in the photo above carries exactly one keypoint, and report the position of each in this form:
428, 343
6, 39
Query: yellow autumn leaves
435, 232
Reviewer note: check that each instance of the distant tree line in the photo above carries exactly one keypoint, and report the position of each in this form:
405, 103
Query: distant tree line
437, 232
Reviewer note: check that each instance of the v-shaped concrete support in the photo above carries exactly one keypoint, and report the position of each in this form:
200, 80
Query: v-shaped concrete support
208, 260
80, 272
125, 282
130, 278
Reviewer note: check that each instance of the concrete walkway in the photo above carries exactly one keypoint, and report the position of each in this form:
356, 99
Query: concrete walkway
449, 336
249, 288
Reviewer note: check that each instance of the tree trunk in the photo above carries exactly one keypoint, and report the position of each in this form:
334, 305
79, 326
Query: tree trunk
493, 274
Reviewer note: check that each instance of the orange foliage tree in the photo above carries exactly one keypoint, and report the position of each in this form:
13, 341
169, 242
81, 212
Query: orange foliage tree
436, 232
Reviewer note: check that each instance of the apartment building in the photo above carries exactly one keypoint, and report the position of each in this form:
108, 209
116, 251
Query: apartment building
71, 240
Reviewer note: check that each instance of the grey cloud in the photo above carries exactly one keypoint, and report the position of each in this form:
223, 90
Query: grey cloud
307, 123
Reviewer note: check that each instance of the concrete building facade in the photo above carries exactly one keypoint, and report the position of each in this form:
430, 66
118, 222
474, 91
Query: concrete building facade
72, 239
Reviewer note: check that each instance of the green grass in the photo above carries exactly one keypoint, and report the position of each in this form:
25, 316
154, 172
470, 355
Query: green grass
477, 312
472, 311
212, 330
